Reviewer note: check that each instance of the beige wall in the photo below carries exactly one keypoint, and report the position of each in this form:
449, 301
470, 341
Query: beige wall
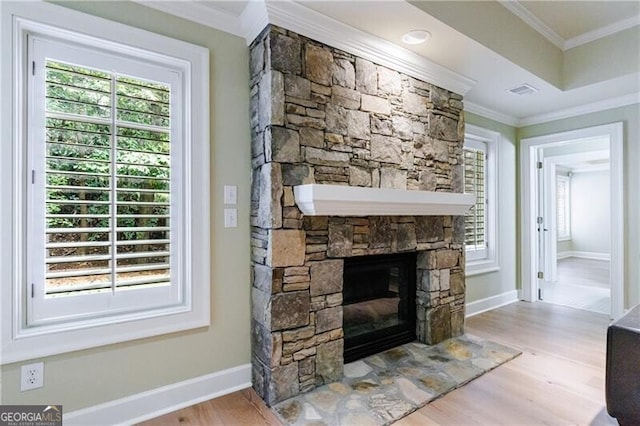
630, 117
85, 378
494, 283
608, 57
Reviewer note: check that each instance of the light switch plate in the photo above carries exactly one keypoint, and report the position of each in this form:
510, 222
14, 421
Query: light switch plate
231, 194
230, 218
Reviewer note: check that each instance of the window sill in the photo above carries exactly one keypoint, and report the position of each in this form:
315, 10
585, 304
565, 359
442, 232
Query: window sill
31, 346
564, 239
481, 267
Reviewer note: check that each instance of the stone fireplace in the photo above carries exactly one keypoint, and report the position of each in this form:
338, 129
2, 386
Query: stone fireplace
323, 116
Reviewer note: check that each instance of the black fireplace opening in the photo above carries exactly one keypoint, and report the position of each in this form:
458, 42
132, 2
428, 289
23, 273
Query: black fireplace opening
379, 303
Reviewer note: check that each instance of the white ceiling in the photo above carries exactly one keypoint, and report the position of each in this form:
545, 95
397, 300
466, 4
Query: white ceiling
570, 19
558, 21
588, 161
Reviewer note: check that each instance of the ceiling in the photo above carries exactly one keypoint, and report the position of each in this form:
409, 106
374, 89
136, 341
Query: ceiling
564, 48
570, 19
591, 161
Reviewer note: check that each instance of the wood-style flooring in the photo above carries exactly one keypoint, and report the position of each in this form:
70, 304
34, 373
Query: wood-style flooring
558, 379
584, 272
582, 283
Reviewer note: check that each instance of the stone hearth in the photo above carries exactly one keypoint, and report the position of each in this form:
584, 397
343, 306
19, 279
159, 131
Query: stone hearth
320, 115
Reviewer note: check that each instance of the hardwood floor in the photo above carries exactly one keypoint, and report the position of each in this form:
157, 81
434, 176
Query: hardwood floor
239, 408
558, 379
582, 283
584, 272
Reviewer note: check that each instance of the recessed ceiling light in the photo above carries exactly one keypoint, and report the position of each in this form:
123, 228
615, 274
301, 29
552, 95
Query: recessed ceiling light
416, 36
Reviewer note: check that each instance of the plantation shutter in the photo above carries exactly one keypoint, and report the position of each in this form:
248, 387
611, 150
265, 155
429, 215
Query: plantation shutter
107, 174
102, 197
475, 183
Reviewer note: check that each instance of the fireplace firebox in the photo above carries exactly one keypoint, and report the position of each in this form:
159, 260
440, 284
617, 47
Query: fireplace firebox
379, 308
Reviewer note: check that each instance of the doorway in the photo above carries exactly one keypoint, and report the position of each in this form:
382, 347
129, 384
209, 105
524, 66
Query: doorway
576, 192
541, 158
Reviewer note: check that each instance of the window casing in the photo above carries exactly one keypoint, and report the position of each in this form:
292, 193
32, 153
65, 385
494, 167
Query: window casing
109, 139
563, 207
480, 178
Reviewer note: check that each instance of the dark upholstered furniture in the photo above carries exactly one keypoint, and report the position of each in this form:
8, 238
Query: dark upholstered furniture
623, 368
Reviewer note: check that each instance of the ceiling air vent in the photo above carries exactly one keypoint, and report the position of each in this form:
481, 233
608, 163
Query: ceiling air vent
524, 89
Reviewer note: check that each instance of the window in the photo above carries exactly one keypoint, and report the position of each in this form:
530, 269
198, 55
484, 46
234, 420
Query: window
563, 207
480, 178
100, 149
110, 234
475, 222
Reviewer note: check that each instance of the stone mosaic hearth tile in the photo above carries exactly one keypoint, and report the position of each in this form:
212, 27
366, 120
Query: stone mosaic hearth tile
355, 418
438, 383
457, 350
395, 354
385, 387
462, 372
356, 369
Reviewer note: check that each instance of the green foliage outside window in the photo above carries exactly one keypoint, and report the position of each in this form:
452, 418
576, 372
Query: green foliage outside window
108, 170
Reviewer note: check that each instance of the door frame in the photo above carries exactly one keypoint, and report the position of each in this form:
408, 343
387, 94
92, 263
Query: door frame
528, 202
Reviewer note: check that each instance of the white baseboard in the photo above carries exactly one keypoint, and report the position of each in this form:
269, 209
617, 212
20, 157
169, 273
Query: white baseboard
584, 255
489, 303
156, 402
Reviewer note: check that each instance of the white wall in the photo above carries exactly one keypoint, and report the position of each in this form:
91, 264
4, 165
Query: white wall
590, 213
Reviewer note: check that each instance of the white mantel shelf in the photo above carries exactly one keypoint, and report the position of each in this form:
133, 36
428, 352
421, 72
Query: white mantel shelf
338, 200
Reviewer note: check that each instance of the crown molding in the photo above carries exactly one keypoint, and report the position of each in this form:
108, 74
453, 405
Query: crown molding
543, 29
490, 114
590, 36
309, 23
620, 101
534, 22
254, 19
300, 19
199, 13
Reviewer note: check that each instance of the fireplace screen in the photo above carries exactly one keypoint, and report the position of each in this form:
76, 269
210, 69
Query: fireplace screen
379, 309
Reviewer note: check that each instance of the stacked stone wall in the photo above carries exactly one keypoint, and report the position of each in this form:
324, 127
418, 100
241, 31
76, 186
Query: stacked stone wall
320, 115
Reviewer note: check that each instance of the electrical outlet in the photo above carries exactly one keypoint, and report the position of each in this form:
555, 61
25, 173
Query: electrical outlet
32, 376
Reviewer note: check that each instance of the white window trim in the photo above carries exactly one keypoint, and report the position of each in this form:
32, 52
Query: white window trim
567, 179
490, 261
17, 343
